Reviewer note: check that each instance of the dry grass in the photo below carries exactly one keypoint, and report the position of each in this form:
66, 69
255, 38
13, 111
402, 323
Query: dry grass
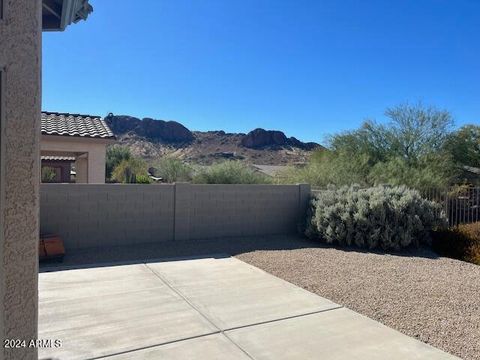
462, 242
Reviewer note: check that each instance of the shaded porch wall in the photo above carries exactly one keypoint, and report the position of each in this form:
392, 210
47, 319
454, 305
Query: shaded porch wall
90, 166
63, 169
87, 216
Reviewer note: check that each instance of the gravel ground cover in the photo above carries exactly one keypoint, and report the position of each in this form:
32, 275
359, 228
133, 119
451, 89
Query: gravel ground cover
431, 298
436, 300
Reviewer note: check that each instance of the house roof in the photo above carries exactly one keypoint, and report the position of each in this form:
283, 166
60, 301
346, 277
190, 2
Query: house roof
66, 124
269, 170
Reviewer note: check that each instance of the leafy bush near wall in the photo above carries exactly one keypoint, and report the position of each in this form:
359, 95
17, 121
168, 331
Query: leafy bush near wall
229, 172
129, 170
142, 179
115, 155
376, 217
172, 169
462, 242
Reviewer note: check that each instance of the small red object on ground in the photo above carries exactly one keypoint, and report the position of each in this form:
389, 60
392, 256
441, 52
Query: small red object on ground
51, 247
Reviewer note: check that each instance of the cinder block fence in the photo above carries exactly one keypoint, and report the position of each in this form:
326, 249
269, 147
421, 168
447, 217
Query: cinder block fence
87, 215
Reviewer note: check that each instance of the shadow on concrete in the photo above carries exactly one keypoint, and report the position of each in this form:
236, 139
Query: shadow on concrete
181, 250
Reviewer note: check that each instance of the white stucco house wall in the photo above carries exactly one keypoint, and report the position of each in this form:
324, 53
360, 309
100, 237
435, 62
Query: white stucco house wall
81, 140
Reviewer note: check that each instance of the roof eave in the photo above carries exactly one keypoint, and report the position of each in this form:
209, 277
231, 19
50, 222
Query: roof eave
58, 14
70, 136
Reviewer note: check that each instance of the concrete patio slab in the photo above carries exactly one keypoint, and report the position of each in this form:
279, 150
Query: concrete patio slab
211, 347
340, 334
96, 324
231, 293
208, 308
75, 284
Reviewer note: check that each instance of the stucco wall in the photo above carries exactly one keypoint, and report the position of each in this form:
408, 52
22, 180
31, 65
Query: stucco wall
20, 58
95, 148
106, 215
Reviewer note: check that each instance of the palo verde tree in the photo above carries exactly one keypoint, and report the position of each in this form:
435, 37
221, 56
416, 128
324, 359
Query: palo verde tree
409, 150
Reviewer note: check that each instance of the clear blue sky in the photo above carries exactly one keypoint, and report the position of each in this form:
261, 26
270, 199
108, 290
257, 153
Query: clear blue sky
307, 67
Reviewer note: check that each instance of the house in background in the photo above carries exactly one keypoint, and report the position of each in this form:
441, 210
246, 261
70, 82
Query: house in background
269, 170
74, 141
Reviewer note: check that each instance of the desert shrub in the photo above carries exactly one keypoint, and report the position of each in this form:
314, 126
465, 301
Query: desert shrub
343, 168
48, 174
142, 179
128, 170
114, 156
172, 169
376, 217
326, 167
229, 172
462, 242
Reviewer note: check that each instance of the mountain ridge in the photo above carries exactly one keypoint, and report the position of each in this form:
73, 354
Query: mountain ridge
150, 139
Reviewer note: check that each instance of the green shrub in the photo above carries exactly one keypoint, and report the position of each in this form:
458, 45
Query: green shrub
142, 179
128, 170
462, 242
411, 149
229, 172
326, 167
48, 174
115, 155
376, 217
172, 169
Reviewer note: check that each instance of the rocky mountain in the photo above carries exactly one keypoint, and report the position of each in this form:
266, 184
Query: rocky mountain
150, 129
260, 138
152, 139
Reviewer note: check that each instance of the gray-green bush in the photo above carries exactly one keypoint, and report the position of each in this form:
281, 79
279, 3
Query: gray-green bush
229, 172
172, 169
376, 217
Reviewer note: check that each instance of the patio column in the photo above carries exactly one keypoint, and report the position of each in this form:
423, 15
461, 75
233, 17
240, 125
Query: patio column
96, 165
81, 169
20, 97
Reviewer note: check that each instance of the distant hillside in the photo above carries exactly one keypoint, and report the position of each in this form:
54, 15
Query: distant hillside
151, 139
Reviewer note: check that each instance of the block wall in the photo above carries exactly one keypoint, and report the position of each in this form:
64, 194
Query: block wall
87, 215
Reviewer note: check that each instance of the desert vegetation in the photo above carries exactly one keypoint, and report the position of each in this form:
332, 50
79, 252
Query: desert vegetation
417, 148
461, 242
123, 167
229, 172
131, 171
172, 169
115, 155
377, 217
